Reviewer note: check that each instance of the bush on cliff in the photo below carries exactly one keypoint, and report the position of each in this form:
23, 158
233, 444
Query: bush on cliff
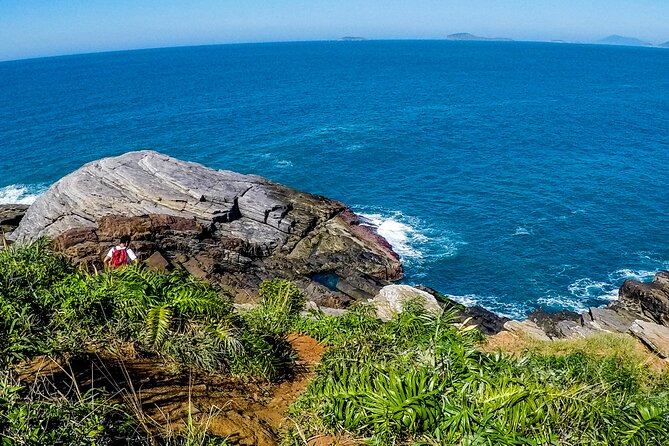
48, 307
418, 379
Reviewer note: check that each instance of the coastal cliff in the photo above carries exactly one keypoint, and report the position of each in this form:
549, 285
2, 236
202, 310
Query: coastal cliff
235, 230
239, 230
196, 362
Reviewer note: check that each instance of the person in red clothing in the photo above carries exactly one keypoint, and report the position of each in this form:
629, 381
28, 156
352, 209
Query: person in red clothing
120, 255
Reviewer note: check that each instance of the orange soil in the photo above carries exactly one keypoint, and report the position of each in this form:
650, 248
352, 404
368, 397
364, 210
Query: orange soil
248, 413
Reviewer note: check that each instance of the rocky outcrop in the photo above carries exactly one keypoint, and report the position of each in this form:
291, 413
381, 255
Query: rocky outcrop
654, 336
236, 230
10, 217
642, 310
647, 299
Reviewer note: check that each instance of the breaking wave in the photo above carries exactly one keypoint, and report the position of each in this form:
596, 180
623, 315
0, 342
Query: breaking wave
414, 241
20, 194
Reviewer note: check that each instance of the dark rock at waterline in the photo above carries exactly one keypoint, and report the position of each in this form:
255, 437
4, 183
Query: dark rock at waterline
649, 299
236, 230
11, 215
488, 322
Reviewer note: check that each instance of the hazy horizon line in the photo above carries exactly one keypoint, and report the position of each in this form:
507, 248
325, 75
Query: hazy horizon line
343, 39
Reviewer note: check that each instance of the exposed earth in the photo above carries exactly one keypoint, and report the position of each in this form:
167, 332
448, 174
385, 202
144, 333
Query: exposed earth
247, 413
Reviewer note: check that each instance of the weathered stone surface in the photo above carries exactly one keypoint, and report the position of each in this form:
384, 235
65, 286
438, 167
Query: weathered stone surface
157, 262
607, 319
655, 336
392, 298
10, 216
557, 325
233, 229
647, 299
312, 306
526, 328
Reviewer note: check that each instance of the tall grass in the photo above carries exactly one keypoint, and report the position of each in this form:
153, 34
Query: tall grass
49, 307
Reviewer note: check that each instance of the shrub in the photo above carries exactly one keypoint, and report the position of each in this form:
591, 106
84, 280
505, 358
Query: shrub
27, 418
420, 379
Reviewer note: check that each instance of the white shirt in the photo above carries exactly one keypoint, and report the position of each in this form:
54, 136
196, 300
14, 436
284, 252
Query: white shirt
131, 255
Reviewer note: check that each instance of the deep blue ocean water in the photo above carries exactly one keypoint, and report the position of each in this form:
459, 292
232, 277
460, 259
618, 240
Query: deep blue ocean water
514, 175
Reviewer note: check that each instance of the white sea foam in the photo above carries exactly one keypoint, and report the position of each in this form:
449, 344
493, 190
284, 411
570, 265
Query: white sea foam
405, 240
468, 300
410, 237
522, 231
498, 306
586, 288
20, 194
623, 274
283, 164
563, 303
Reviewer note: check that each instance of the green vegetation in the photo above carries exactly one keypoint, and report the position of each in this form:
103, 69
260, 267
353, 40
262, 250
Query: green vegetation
29, 418
420, 379
47, 307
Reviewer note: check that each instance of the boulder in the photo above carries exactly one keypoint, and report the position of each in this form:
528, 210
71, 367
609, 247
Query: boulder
650, 300
236, 230
391, 300
655, 336
156, 262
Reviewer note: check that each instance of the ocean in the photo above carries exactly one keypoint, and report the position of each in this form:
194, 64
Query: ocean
511, 175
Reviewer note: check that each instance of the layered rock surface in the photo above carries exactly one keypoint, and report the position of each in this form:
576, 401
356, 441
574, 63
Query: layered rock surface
234, 229
641, 310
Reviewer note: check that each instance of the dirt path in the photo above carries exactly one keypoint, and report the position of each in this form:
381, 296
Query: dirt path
247, 413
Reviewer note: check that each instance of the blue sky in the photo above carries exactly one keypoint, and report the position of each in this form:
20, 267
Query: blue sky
32, 28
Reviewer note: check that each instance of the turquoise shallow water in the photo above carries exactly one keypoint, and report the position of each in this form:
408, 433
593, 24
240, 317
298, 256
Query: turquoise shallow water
514, 175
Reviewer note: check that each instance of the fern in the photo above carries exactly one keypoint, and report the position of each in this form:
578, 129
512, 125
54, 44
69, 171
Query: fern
158, 322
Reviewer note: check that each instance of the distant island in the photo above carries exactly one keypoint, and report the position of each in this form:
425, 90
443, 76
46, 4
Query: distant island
468, 36
613, 39
623, 41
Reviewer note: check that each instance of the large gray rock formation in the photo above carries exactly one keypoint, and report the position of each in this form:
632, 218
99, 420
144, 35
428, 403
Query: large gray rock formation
234, 229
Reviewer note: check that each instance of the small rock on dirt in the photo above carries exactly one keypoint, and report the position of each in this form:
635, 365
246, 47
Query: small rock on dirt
157, 262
